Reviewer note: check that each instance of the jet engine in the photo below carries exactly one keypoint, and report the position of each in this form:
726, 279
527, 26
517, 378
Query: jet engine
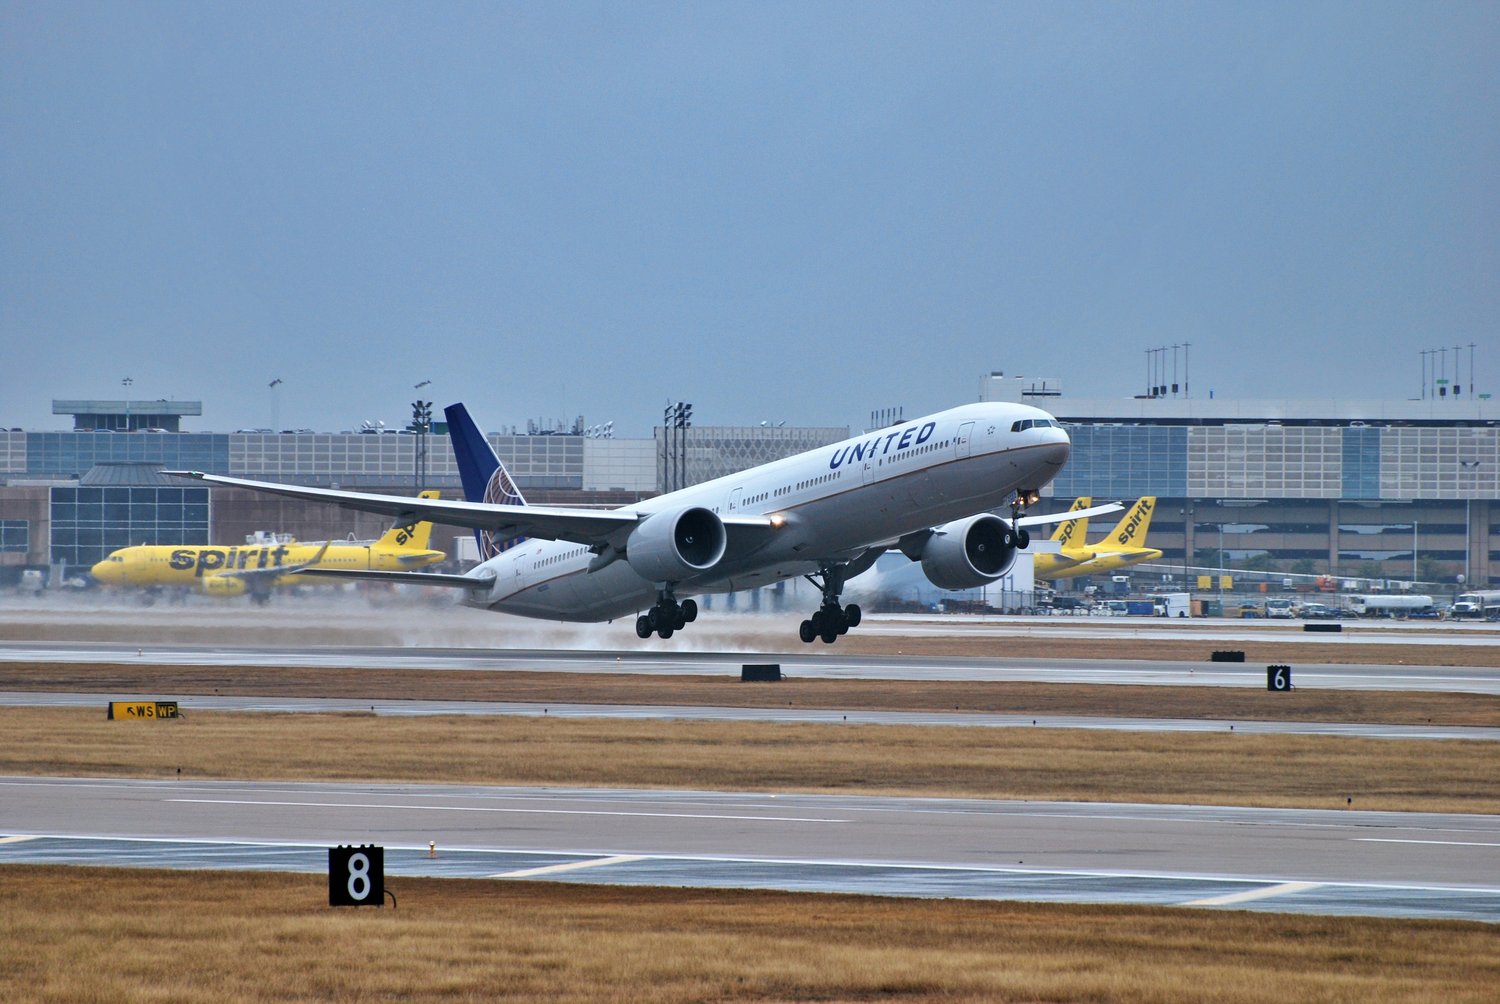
222, 585
676, 544
969, 552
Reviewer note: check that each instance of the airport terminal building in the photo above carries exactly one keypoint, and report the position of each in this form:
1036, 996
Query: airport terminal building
1371, 489
1398, 490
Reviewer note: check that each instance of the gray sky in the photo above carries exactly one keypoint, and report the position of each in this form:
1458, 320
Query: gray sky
798, 211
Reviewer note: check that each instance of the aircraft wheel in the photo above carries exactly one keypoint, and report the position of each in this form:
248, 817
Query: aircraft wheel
664, 633
681, 620
689, 611
807, 632
830, 635
842, 622
852, 614
643, 626
1023, 538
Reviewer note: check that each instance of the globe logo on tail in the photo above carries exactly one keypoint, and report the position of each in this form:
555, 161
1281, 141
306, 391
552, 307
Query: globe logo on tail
501, 490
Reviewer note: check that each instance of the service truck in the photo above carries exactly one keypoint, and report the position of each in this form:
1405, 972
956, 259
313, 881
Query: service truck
1406, 605
1483, 605
1170, 605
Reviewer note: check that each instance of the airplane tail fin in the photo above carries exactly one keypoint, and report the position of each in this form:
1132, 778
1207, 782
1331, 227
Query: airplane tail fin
1131, 530
409, 536
484, 476
1073, 532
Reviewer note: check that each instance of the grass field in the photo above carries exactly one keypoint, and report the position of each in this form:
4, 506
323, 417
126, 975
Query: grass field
1072, 764
83, 934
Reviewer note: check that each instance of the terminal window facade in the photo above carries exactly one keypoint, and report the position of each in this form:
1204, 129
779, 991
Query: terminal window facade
1361, 475
72, 454
15, 536
1249, 461
12, 452
1124, 461
89, 523
1451, 463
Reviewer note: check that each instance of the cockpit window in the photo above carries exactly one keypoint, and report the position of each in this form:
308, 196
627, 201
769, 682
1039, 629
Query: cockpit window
1021, 425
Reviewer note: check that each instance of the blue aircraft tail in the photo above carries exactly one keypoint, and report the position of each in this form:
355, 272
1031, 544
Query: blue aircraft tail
485, 477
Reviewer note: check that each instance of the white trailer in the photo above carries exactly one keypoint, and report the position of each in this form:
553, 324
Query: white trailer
1483, 605
1407, 605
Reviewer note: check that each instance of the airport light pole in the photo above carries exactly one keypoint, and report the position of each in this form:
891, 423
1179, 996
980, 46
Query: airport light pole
682, 420
126, 384
421, 421
1223, 564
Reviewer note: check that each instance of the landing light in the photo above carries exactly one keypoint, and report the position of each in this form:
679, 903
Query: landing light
778, 520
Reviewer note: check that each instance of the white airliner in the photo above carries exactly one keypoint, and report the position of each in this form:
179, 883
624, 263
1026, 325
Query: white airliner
923, 487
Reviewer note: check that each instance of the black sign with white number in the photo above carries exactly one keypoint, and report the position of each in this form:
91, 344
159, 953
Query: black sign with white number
1279, 678
356, 876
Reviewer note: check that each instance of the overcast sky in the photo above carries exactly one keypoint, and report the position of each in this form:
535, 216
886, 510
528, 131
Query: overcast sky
777, 211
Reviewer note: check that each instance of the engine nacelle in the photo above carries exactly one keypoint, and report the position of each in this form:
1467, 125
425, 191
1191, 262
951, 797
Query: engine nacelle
969, 552
222, 585
676, 544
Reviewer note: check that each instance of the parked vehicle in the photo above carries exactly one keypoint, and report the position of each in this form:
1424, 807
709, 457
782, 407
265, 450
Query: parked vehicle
1279, 608
1409, 605
1481, 605
1318, 612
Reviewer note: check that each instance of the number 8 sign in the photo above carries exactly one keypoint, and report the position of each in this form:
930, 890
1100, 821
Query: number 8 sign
356, 876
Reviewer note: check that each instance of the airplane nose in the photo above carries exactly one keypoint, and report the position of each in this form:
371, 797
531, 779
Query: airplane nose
101, 571
1055, 453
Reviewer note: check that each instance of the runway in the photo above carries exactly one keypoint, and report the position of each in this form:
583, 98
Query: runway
1350, 862
1430, 865
821, 663
698, 713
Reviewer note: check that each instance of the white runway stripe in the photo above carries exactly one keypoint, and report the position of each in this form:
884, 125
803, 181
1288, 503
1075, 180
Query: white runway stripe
1265, 892
571, 866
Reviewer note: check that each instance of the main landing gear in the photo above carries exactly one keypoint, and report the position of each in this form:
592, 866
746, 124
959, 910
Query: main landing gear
830, 620
666, 617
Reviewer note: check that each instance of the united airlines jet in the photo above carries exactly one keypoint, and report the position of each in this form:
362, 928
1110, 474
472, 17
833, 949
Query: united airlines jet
924, 487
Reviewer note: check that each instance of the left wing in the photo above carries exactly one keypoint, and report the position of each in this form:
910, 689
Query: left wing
596, 528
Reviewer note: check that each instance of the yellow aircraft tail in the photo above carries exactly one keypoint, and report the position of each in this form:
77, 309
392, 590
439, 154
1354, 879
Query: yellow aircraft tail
1071, 533
409, 536
1132, 528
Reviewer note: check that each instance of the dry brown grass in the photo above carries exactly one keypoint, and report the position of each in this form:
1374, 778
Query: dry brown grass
85, 934
1231, 703
1234, 769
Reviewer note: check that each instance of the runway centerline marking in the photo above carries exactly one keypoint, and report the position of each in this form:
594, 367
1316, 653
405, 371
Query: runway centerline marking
572, 866
1253, 894
482, 808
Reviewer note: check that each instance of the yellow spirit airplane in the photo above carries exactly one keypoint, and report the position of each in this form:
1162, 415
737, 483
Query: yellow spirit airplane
260, 565
1123, 546
1070, 536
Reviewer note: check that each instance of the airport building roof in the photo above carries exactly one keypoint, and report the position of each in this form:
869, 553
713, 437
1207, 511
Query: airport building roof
1170, 409
161, 415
